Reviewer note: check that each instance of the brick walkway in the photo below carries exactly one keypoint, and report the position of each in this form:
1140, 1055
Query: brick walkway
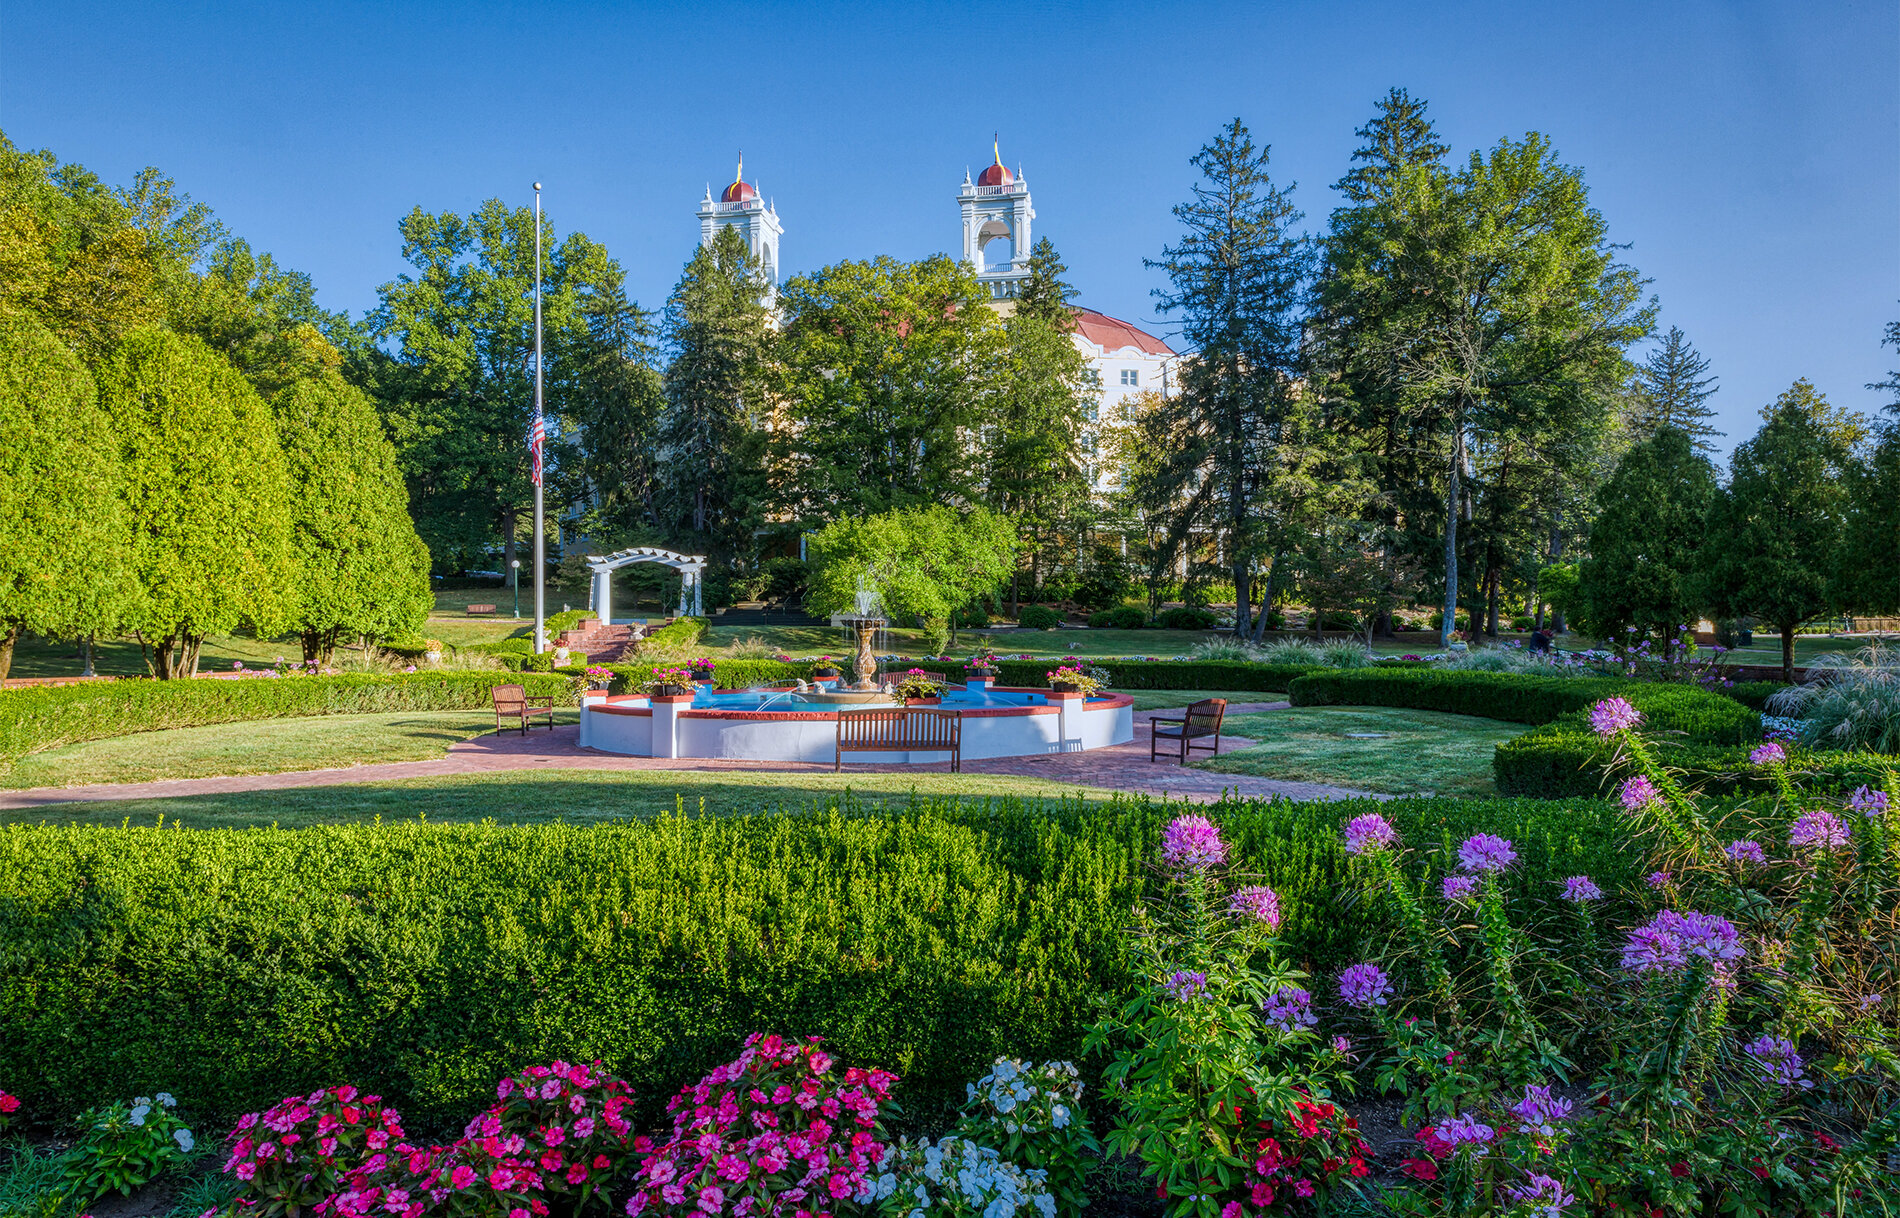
1123, 767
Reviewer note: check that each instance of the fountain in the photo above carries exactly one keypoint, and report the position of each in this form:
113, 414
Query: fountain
867, 623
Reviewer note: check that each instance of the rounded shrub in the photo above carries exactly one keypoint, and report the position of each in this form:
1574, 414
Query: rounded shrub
1123, 617
1038, 617
1186, 618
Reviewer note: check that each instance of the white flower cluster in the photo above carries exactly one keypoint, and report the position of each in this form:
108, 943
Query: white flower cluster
1017, 1097
142, 1106
956, 1178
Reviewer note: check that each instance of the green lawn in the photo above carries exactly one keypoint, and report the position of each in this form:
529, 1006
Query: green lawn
1416, 752
533, 796
268, 746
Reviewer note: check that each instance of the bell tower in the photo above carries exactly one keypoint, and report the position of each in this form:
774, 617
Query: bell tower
996, 216
739, 206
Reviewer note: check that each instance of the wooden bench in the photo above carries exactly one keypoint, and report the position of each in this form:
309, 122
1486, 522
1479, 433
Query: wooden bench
514, 708
901, 730
474, 609
1202, 721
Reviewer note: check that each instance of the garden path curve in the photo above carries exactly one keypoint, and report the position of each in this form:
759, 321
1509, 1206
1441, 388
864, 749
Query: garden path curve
1122, 767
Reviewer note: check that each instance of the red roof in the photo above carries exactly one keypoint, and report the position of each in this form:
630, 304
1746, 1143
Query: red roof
1114, 334
738, 192
996, 175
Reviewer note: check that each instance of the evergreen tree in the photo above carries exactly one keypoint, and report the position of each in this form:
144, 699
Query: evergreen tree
1768, 548
1045, 396
1399, 139
891, 374
206, 495
617, 404
63, 562
1867, 563
1891, 385
1645, 542
359, 568
1671, 388
1847, 428
710, 482
1235, 282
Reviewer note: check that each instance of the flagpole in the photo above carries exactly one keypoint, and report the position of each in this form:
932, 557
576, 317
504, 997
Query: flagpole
540, 541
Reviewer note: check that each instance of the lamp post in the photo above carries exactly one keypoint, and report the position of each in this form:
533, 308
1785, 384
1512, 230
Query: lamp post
540, 557
514, 577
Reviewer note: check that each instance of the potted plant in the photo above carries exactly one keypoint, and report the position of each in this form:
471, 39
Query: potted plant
432, 650
1075, 680
825, 669
918, 690
701, 670
982, 667
599, 677
669, 682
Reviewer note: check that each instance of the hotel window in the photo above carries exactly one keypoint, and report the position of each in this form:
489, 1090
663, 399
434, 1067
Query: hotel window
1131, 376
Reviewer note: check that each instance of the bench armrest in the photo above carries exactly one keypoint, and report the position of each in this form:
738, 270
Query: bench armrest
1161, 719
541, 702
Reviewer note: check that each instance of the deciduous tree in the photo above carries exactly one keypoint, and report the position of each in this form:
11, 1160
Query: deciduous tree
1646, 541
926, 562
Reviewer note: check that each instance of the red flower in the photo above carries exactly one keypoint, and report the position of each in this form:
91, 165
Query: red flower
1678, 1170
1419, 1169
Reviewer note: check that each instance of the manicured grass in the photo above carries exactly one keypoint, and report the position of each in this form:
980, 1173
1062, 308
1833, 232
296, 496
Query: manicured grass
1418, 752
267, 746
1162, 699
531, 797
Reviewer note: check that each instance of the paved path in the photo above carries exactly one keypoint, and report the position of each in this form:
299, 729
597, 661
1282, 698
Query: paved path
1124, 767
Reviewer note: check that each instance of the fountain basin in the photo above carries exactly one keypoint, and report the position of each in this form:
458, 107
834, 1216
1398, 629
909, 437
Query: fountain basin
766, 725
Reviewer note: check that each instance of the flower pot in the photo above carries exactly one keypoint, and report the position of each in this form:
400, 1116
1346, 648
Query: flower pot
1065, 687
704, 678
981, 674
672, 691
824, 674
923, 701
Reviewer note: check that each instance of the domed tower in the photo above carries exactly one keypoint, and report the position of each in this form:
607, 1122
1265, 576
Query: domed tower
996, 216
739, 206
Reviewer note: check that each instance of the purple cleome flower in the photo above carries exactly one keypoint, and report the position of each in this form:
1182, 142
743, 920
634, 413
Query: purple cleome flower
1458, 887
1466, 1130
1289, 1009
1546, 1192
1818, 828
1186, 986
1364, 986
1768, 754
1192, 843
1486, 852
1612, 715
1256, 903
1540, 1108
1650, 950
1869, 1001
1582, 888
1342, 1046
1778, 1060
1745, 851
1671, 938
1639, 793
1369, 834
1656, 879
1868, 802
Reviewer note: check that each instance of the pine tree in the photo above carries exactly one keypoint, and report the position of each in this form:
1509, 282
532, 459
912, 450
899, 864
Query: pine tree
1397, 140
1672, 387
63, 564
1645, 543
1769, 545
1045, 294
1235, 281
1892, 384
360, 569
710, 484
206, 493
1867, 566
618, 403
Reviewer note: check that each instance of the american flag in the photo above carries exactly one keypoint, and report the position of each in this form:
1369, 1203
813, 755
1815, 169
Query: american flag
537, 443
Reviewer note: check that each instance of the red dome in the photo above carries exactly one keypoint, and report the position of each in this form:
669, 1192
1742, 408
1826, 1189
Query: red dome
996, 175
738, 192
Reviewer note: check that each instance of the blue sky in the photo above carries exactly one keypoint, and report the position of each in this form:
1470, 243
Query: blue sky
1749, 153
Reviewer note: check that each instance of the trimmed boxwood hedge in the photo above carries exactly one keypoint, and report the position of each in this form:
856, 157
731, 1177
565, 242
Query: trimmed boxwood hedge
37, 718
1705, 733
423, 961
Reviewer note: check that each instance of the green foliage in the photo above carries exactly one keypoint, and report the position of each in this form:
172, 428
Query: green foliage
925, 561
1768, 544
1753, 694
1674, 387
1038, 617
710, 473
890, 369
124, 1146
1646, 540
45, 717
1186, 618
1127, 617
207, 494
1166, 674
63, 561
1866, 577
423, 961
360, 568
672, 641
1851, 706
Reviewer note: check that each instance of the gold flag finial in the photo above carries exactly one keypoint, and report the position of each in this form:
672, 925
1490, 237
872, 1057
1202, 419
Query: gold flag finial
738, 175
996, 147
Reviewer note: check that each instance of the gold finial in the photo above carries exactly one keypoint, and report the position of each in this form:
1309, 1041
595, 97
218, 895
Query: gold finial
738, 175
996, 146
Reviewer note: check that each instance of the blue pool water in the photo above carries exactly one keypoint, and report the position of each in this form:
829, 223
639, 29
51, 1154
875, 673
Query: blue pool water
745, 700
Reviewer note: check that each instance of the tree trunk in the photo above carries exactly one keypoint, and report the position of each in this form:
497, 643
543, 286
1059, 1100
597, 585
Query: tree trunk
7, 640
1243, 618
1787, 652
1556, 555
1452, 503
164, 658
193, 643
1266, 596
1491, 596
